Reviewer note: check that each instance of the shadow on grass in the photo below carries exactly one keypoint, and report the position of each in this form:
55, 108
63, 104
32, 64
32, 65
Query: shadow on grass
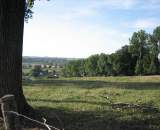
96, 84
95, 120
109, 119
69, 101
90, 120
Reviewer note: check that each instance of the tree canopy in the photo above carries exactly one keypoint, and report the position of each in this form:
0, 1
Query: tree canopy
140, 57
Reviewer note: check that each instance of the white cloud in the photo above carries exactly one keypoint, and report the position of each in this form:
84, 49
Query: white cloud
150, 4
68, 10
130, 4
144, 24
77, 13
148, 23
62, 30
67, 40
121, 4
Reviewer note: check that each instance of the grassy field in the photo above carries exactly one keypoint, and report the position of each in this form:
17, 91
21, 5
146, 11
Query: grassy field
98, 103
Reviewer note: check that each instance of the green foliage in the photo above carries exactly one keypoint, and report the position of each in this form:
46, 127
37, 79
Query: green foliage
139, 48
36, 71
138, 58
91, 65
156, 33
28, 9
102, 64
123, 62
74, 69
154, 51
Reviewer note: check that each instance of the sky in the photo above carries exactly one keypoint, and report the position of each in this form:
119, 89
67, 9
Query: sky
80, 28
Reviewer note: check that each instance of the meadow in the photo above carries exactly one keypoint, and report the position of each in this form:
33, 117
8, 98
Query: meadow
98, 103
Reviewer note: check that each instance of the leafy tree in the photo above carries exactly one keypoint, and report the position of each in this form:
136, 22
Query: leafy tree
156, 34
154, 51
75, 65
138, 58
74, 69
110, 65
82, 71
66, 71
146, 64
138, 48
91, 65
124, 63
36, 71
102, 64
152, 69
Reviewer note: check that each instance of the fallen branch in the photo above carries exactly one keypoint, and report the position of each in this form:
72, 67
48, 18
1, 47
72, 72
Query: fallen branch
122, 105
38, 122
133, 106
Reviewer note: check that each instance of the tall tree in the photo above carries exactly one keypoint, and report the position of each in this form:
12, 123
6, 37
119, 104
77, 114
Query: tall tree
138, 48
124, 63
156, 34
154, 51
12, 14
91, 65
102, 64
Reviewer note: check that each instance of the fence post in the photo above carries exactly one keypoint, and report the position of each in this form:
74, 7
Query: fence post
11, 120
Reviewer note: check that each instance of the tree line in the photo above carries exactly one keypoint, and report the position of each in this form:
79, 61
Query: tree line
140, 57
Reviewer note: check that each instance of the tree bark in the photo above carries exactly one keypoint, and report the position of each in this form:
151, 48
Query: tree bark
11, 44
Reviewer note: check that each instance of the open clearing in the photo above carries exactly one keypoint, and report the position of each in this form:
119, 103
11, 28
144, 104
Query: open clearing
97, 103
87, 103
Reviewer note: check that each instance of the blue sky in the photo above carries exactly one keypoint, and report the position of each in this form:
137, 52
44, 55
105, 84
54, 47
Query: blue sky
80, 28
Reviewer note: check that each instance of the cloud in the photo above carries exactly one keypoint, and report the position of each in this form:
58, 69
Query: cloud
67, 40
81, 28
87, 8
148, 23
150, 5
120, 4
145, 24
77, 13
130, 4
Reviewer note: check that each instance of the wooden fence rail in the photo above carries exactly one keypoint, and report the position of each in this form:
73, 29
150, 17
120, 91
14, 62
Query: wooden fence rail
11, 121
11, 116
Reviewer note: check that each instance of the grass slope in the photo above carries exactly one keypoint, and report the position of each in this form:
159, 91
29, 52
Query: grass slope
85, 103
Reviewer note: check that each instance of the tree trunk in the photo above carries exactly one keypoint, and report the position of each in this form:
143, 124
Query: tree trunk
11, 43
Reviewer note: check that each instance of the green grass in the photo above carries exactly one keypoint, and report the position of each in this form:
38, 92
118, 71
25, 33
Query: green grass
81, 104
85, 103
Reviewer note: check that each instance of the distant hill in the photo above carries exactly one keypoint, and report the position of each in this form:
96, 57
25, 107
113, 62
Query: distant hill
46, 60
